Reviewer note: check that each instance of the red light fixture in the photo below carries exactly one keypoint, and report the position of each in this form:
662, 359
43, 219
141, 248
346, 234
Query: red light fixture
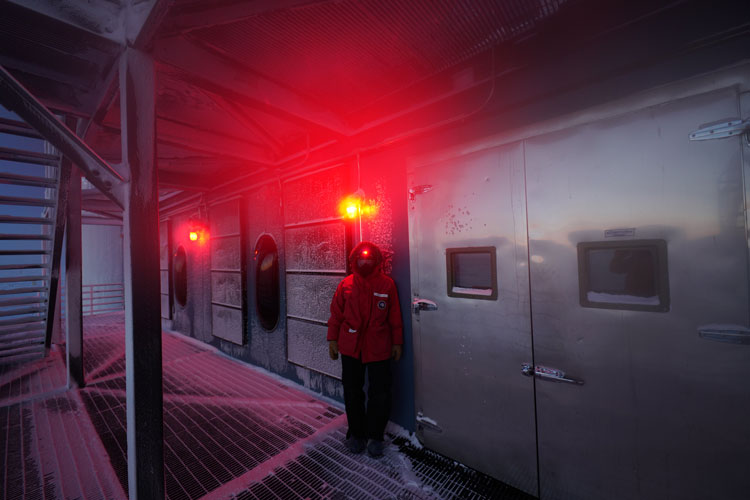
197, 232
355, 205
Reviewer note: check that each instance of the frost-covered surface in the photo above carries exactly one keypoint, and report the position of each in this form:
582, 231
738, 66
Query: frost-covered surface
473, 291
327, 470
612, 298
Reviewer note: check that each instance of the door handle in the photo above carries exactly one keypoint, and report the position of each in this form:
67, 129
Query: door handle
730, 334
547, 373
423, 305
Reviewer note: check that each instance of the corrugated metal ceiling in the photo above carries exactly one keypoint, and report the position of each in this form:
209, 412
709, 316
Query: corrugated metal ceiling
347, 54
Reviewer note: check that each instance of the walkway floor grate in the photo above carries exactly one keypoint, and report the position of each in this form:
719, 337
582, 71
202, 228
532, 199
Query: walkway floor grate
230, 432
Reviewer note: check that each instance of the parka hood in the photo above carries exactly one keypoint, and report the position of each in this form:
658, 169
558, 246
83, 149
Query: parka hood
374, 251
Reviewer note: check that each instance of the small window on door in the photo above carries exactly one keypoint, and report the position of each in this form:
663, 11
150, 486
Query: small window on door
624, 275
472, 272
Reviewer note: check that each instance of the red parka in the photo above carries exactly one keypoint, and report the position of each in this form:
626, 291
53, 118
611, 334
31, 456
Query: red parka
365, 316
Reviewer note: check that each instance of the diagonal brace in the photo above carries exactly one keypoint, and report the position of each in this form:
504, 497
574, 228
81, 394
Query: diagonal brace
17, 98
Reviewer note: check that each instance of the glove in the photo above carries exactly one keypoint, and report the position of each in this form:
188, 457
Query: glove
333, 349
396, 352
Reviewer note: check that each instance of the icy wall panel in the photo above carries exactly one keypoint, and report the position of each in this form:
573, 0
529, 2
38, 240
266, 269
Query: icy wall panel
310, 295
163, 245
316, 196
308, 347
226, 288
263, 216
164, 282
225, 253
224, 219
227, 323
316, 248
194, 318
164, 256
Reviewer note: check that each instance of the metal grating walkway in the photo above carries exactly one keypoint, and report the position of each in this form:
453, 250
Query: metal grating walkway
230, 431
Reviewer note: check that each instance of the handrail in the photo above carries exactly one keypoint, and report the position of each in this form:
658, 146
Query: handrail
98, 300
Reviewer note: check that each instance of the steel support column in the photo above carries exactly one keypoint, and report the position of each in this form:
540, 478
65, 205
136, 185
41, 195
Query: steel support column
73, 284
141, 276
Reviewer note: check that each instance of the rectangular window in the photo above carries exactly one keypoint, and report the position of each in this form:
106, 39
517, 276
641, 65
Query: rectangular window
472, 272
624, 275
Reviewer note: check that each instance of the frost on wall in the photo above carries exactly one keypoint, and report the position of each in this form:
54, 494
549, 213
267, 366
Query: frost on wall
164, 256
226, 289
316, 249
315, 197
227, 314
308, 347
380, 227
194, 318
263, 218
309, 297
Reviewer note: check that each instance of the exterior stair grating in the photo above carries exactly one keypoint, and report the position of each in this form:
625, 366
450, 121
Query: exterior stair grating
7, 267
36, 348
22, 311
36, 334
22, 301
18, 291
27, 180
15, 127
28, 202
19, 279
23, 252
12, 219
25, 237
29, 327
21, 321
18, 155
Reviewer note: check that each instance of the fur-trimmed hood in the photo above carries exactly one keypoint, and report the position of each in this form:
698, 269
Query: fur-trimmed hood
374, 251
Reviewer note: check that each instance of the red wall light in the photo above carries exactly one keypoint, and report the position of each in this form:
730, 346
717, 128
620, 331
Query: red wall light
197, 234
355, 205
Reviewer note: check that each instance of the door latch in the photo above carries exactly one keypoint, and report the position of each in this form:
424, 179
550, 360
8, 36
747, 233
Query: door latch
423, 305
547, 373
421, 189
428, 423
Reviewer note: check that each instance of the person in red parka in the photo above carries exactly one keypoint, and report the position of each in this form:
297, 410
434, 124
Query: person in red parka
365, 328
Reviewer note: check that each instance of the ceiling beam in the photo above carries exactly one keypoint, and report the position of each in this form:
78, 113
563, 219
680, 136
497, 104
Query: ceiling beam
100, 17
93, 204
182, 181
149, 17
214, 72
218, 13
196, 139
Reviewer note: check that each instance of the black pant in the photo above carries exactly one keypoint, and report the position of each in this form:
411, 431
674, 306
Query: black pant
368, 423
